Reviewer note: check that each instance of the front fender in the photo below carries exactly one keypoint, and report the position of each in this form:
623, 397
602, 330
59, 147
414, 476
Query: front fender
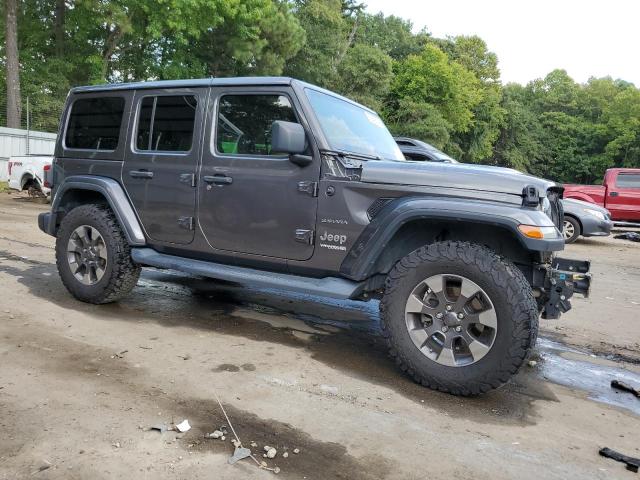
361, 259
115, 196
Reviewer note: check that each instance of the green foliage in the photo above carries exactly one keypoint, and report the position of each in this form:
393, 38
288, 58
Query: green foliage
444, 91
433, 78
364, 74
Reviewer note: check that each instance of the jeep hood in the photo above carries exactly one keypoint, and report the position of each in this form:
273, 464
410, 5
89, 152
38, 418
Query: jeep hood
452, 175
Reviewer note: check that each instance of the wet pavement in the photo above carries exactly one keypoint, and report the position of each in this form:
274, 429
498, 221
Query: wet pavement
80, 383
574, 368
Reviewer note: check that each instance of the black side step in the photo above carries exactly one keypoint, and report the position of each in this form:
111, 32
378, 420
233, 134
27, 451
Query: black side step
328, 287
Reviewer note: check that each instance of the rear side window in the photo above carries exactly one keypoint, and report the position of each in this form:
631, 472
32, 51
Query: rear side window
244, 122
165, 123
94, 123
628, 180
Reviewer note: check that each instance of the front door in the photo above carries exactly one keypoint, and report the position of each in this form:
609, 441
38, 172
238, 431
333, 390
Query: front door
253, 200
159, 171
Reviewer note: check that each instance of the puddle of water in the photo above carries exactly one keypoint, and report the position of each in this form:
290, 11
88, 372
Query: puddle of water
582, 370
585, 374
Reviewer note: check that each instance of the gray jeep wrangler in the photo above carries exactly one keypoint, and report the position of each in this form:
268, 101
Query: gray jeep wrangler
276, 183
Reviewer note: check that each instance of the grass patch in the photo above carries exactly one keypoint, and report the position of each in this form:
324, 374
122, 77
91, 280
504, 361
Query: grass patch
4, 187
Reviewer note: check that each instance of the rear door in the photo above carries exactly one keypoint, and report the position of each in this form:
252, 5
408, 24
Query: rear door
159, 171
623, 198
253, 200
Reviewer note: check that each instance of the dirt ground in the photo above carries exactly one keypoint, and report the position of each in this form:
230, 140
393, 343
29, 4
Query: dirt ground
80, 385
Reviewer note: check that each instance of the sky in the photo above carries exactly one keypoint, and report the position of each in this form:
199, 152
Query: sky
531, 38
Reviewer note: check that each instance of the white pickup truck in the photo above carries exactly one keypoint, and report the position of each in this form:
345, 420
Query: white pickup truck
29, 173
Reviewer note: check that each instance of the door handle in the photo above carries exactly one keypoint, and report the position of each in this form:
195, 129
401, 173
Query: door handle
140, 174
613, 194
218, 179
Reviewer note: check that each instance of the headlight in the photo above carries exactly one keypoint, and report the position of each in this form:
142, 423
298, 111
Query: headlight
595, 213
540, 233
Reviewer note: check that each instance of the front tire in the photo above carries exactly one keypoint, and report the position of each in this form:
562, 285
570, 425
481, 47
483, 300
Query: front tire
93, 255
571, 229
458, 318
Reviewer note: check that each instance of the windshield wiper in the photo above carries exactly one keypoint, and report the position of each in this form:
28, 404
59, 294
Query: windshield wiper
346, 153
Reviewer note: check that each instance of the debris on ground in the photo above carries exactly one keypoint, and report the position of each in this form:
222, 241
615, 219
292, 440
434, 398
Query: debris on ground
270, 452
532, 363
119, 355
625, 387
215, 434
285, 455
161, 427
296, 450
633, 236
42, 468
183, 426
240, 453
185, 357
633, 464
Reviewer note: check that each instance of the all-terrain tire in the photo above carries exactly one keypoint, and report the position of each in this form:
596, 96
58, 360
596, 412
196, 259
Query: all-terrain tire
512, 298
121, 273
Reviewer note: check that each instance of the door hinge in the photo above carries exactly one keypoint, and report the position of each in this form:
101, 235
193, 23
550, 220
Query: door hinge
186, 222
304, 236
308, 187
188, 178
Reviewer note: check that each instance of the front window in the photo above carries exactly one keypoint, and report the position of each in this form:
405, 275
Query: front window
353, 129
244, 122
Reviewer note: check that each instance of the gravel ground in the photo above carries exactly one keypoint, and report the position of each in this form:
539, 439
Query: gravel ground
80, 384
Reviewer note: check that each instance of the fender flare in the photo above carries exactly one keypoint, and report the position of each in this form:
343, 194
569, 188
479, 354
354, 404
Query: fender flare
115, 195
360, 261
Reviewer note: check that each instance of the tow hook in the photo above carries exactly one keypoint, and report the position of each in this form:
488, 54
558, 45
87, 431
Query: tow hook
564, 278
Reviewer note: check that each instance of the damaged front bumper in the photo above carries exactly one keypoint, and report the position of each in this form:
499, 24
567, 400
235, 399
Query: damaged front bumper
555, 284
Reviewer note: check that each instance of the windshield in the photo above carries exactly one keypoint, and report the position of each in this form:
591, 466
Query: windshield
350, 128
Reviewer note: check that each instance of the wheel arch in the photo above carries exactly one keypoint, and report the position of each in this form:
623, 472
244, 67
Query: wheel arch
407, 224
81, 190
26, 180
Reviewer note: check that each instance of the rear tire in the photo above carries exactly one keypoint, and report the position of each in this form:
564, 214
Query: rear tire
571, 229
100, 269
499, 326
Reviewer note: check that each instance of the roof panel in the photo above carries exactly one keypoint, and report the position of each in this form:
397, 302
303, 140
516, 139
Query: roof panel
197, 82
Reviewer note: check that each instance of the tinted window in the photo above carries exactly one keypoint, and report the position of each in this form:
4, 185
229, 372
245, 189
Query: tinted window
628, 180
165, 123
244, 122
94, 123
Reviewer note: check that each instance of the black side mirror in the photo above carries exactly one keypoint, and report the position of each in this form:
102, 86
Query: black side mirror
288, 137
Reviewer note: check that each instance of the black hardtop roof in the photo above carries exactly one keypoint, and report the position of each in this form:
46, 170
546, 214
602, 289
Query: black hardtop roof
209, 82
195, 82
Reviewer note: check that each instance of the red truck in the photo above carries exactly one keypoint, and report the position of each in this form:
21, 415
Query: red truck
619, 193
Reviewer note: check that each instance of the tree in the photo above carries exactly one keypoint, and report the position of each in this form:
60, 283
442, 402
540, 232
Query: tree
364, 75
327, 32
433, 78
14, 108
519, 143
391, 35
